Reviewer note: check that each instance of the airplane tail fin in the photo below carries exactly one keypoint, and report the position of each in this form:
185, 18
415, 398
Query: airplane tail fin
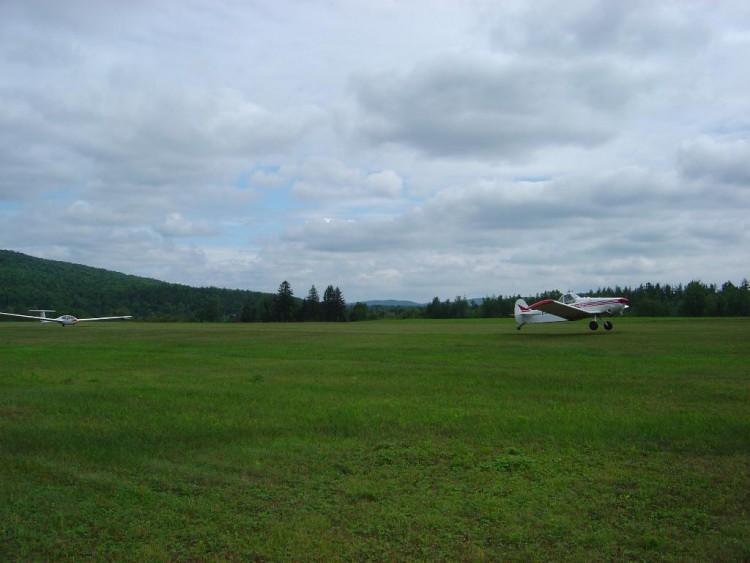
518, 311
526, 315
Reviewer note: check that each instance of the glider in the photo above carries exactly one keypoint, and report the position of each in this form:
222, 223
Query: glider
63, 320
570, 307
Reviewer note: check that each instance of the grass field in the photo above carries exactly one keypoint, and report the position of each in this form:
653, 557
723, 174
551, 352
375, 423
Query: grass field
403, 440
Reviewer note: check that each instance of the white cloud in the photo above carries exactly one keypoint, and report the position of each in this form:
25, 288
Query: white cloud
175, 225
329, 179
482, 105
726, 162
600, 28
386, 184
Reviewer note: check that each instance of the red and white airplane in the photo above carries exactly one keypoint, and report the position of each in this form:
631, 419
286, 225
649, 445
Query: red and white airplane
570, 307
63, 320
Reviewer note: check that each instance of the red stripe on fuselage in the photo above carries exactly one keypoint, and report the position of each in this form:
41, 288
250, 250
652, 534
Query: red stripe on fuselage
542, 302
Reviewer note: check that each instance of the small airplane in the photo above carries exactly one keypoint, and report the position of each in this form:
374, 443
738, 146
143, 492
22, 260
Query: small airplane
63, 320
570, 307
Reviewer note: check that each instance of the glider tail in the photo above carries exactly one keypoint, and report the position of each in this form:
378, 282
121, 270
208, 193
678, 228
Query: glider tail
43, 314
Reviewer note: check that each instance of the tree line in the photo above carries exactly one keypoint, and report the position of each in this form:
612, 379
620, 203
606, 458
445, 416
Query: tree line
696, 299
283, 306
34, 283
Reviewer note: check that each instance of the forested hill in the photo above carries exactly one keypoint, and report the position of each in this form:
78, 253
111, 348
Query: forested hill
35, 283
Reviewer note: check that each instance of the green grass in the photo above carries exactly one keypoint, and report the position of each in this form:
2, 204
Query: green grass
407, 440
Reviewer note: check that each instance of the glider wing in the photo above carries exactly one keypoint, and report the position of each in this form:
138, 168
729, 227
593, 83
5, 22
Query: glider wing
104, 318
30, 317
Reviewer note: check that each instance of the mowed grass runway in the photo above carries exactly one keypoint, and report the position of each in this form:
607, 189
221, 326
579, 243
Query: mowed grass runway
403, 440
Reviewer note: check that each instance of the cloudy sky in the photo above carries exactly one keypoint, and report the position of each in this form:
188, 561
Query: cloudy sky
396, 149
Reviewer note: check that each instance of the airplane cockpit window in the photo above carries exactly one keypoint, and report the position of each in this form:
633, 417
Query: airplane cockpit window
568, 298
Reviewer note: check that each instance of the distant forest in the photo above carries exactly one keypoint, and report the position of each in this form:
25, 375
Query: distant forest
695, 299
35, 283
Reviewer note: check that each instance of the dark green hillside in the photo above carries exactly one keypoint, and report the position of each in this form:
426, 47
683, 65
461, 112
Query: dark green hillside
35, 283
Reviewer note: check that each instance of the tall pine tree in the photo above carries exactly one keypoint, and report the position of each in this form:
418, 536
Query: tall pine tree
284, 303
334, 306
311, 310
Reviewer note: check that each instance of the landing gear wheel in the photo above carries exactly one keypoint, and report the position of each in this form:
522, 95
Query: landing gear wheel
593, 325
607, 325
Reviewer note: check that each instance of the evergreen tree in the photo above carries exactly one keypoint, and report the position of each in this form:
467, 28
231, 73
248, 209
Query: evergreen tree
310, 310
737, 298
284, 303
434, 309
334, 306
695, 301
460, 308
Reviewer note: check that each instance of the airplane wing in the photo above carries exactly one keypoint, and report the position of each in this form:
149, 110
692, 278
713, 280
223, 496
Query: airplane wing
560, 309
32, 317
104, 318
